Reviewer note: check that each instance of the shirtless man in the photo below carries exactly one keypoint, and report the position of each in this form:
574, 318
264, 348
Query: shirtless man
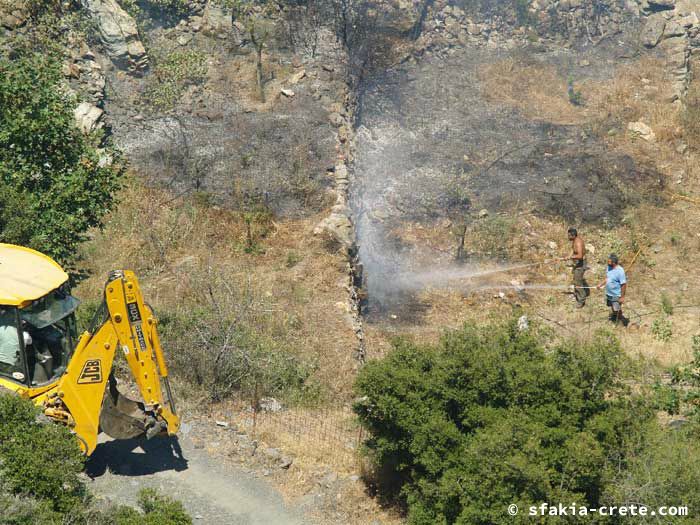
578, 254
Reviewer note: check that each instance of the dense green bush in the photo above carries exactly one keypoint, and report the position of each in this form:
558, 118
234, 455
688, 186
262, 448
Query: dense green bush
25, 510
39, 460
53, 183
662, 468
492, 416
682, 394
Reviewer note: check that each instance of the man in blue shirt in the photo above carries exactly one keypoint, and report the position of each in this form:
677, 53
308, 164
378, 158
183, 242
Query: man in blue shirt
615, 288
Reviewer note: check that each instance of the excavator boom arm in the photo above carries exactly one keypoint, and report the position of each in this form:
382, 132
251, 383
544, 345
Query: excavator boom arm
86, 396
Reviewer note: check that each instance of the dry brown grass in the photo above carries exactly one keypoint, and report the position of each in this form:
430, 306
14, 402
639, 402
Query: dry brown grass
315, 454
636, 92
667, 235
238, 75
538, 90
163, 240
169, 242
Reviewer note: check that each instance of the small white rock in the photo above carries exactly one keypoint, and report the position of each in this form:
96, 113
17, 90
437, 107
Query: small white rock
287, 92
642, 130
523, 323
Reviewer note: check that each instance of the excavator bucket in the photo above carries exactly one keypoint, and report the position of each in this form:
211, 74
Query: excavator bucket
122, 417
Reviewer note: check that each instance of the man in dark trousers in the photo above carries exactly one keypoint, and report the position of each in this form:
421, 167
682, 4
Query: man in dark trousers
578, 258
615, 288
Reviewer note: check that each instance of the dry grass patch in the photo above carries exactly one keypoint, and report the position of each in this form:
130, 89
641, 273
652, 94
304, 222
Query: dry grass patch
541, 92
536, 89
295, 285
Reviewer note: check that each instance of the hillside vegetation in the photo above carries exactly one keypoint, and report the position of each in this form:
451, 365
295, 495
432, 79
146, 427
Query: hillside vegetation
55, 183
496, 415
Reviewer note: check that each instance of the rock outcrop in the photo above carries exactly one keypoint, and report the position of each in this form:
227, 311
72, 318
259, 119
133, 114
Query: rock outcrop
88, 117
640, 129
338, 224
673, 26
119, 35
653, 30
399, 16
84, 73
580, 19
13, 14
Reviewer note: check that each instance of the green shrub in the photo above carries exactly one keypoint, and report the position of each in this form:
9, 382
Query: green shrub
666, 304
293, 258
666, 398
662, 468
42, 460
490, 417
575, 96
236, 360
156, 509
53, 186
684, 388
228, 339
662, 329
40, 463
24, 510
172, 73
491, 235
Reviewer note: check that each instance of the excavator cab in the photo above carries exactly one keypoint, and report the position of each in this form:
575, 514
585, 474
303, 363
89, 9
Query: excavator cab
37, 339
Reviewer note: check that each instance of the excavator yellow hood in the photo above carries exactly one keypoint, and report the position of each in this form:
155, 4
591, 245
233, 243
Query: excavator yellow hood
26, 275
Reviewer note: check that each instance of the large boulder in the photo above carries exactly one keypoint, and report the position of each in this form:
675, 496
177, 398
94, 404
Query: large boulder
338, 226
641, 130
398, 16
119, 34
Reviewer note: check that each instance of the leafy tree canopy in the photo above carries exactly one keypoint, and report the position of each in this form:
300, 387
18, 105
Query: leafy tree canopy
492, 416
54, 181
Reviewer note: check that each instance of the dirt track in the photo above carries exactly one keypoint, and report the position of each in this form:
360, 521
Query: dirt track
213, 491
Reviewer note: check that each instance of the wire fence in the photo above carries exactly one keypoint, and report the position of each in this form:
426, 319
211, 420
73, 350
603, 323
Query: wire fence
331, 436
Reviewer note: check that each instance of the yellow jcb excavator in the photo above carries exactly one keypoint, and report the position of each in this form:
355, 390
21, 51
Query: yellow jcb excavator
70, 376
